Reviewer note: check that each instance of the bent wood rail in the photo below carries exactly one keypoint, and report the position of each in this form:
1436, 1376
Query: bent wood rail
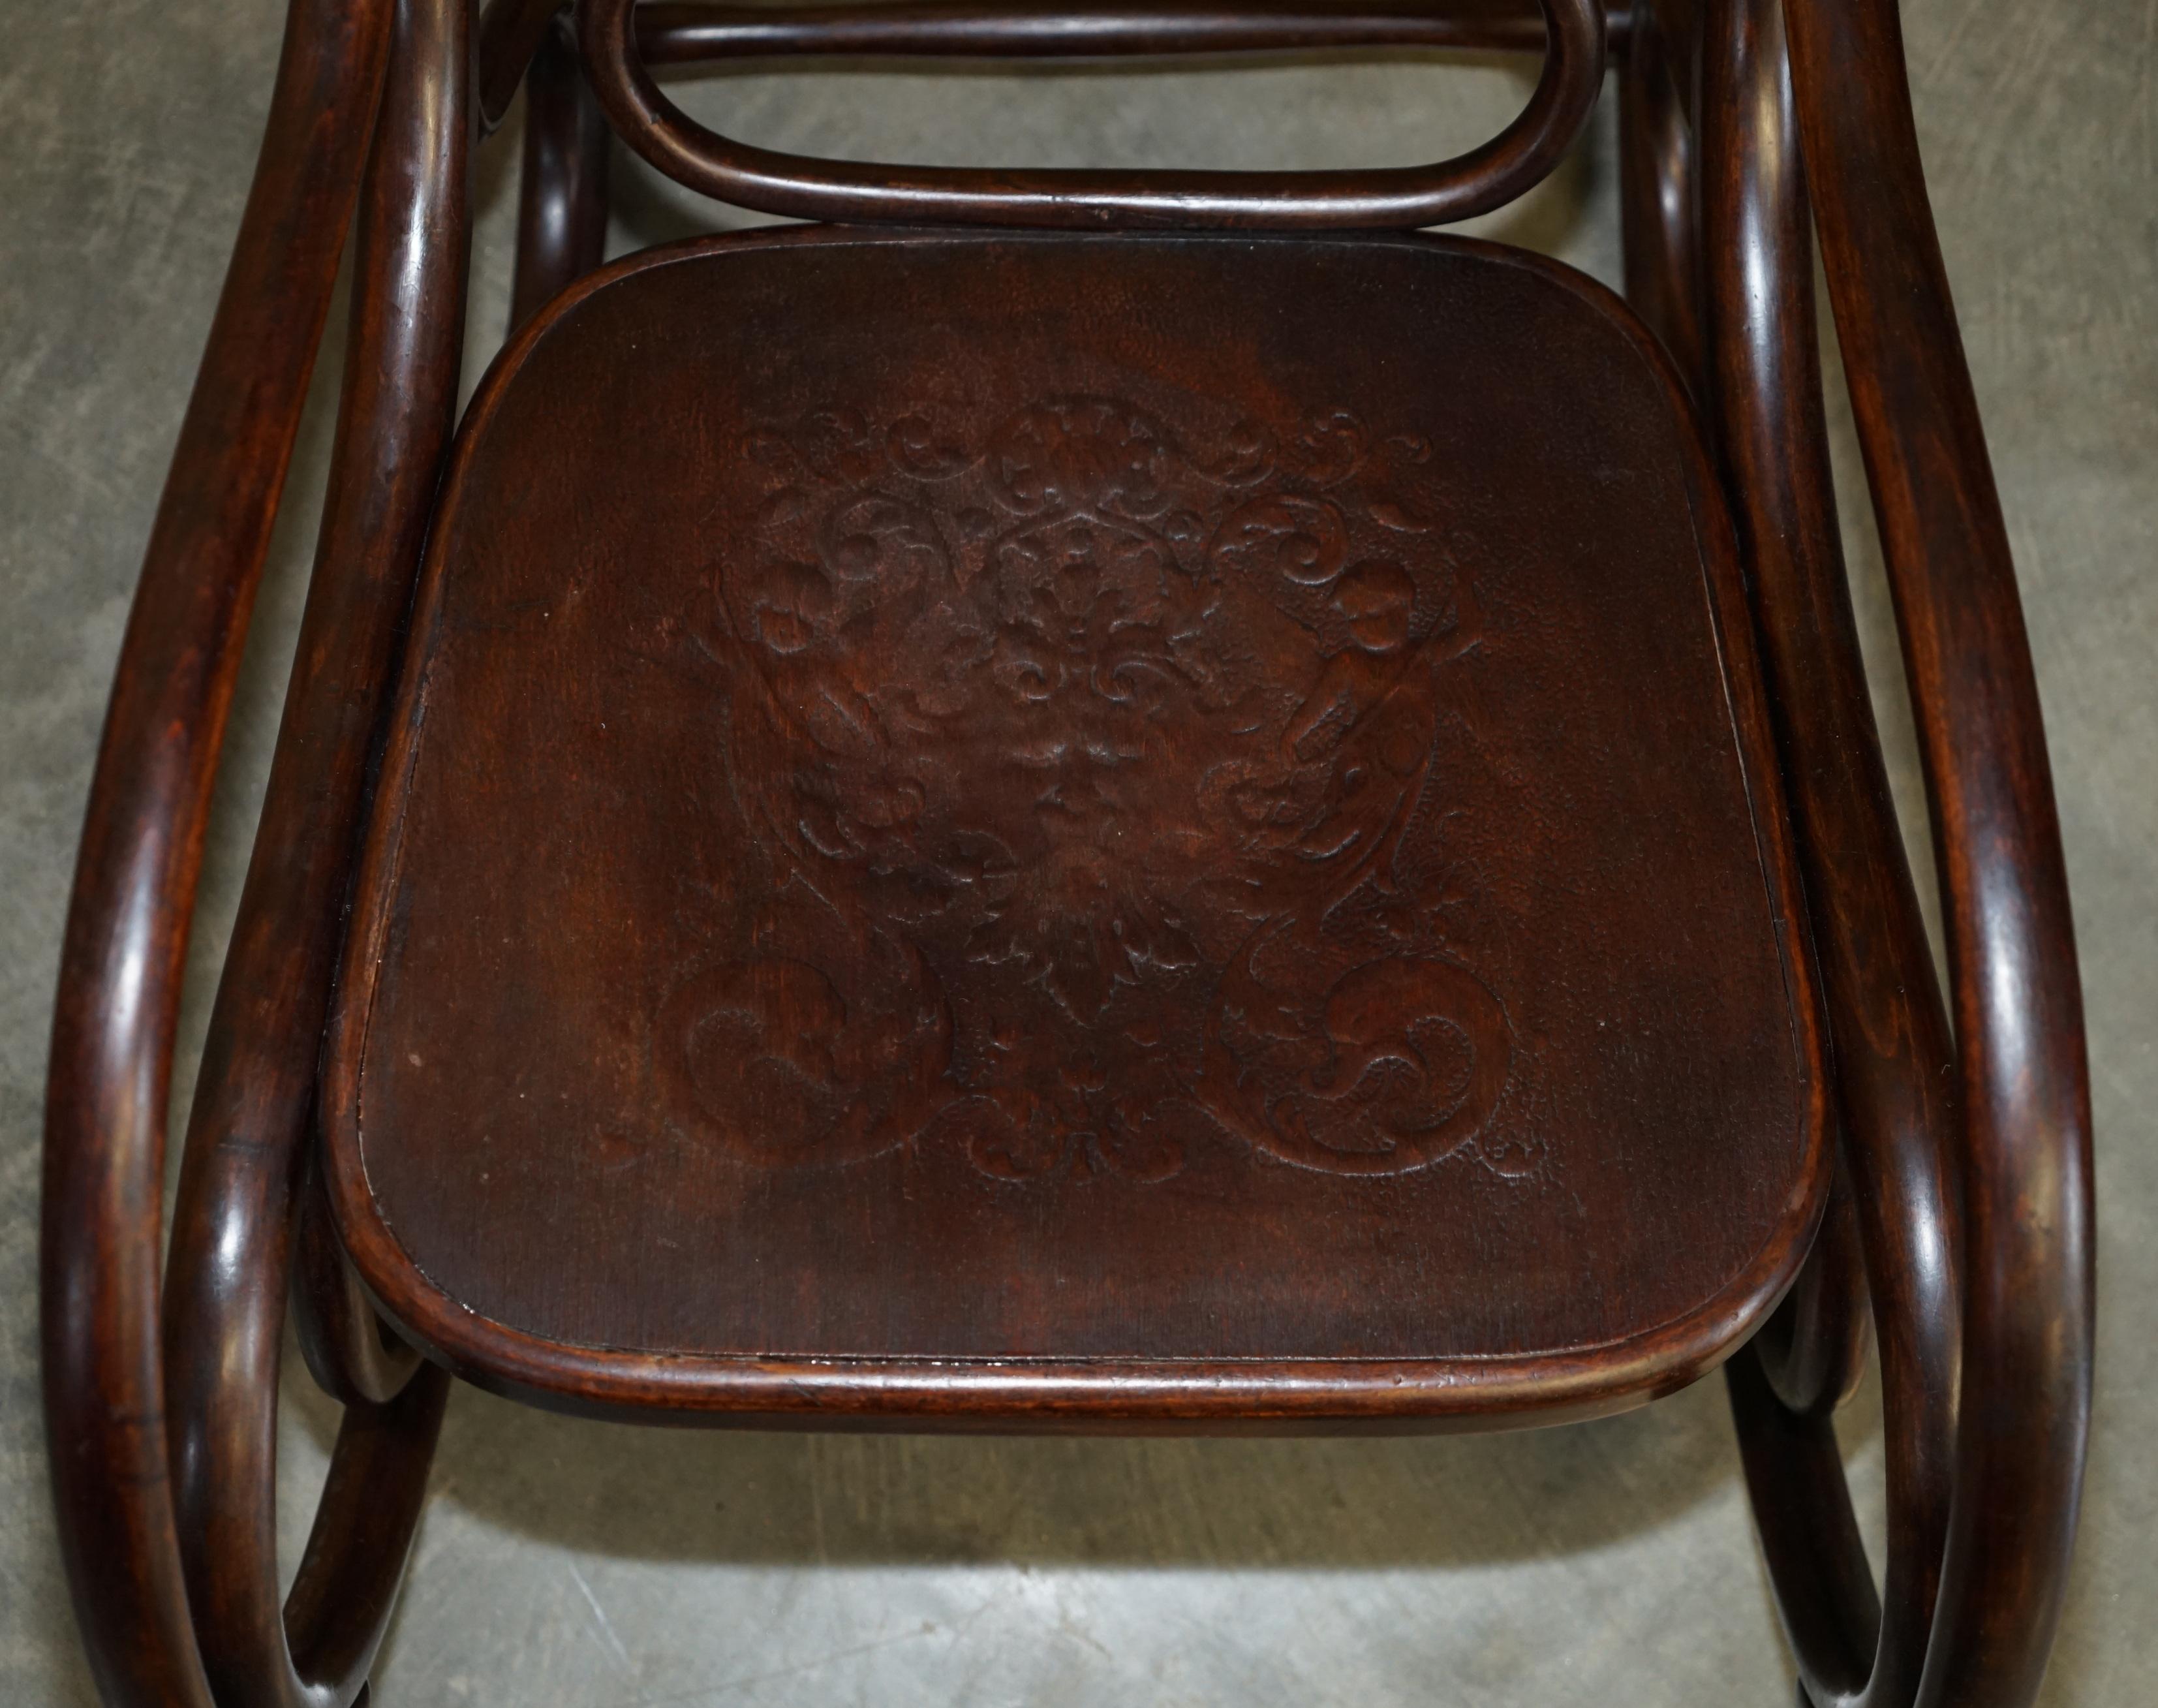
1975, 1207
1381, 197
2023, 1414
179, 1609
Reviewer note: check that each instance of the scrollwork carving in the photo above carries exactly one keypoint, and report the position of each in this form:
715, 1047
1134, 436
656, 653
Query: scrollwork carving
1077, 767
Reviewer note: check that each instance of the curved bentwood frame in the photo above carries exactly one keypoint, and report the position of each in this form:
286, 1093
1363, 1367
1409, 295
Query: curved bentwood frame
1959, 1227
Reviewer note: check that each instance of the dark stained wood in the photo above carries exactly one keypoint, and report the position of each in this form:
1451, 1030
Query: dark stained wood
1889, 1034
1149, 821
509, 33
801, 186
682, 32
562, 195
2023, 1083
1887, 1021
1658, 197
1890, 1037
346, 1585
142, 849
350, 1352
234, 1219
1803, 1513
1081, 832
1814, 1349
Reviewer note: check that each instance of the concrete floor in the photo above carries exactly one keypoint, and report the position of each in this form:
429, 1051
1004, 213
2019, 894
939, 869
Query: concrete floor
573, 1564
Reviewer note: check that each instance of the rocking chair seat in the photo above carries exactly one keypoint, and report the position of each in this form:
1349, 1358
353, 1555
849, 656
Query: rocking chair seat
1084, 830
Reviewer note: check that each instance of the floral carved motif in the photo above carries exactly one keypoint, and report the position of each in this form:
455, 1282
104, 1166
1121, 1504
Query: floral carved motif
1076, 762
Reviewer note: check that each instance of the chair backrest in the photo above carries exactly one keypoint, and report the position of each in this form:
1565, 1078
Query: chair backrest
1381, 197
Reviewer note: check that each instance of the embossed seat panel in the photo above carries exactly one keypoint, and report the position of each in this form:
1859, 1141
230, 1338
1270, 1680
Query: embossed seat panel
1161, 827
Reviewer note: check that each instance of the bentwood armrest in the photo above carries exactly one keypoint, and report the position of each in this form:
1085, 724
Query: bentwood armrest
127, 924
134, 894
2023, 1417
239, 1216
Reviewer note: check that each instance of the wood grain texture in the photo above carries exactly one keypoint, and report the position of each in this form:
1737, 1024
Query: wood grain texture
127, 923
2028, 1273
240, 1179
1892, 1046
1062, 829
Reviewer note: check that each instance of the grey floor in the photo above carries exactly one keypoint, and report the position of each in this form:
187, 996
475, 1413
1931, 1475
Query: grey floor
574, 1564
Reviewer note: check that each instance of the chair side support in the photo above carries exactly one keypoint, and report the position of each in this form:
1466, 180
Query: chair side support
2023, 1419
2016, 1386
249, 1133
1891, 1047
141, 852
132, 1529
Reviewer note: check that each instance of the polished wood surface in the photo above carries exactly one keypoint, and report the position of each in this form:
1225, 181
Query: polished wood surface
1167, 831
1381, 197
1895, 1100
688, 31
684, 31
2023, 1084
114, 1020
1659, 198
562, 190
234, 1220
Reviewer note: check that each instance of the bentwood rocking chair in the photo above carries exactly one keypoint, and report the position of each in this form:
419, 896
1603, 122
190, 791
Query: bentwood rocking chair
1085, 800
